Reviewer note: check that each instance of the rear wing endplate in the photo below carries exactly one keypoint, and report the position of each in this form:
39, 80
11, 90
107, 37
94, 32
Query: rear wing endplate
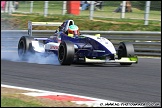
31, 24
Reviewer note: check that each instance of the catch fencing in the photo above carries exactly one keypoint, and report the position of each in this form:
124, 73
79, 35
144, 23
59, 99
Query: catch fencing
145, 43
145, 10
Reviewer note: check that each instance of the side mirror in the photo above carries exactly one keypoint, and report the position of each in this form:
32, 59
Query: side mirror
98, 35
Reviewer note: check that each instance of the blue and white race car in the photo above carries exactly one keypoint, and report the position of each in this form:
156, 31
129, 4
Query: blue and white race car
72, 47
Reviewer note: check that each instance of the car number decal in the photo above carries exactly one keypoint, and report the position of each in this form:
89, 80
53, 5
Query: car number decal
54, 47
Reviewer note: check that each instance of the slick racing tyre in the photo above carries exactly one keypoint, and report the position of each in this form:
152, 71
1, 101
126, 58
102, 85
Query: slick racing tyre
125, 50
25, 47
66, 53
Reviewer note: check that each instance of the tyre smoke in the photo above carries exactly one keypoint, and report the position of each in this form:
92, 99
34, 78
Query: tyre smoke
9, 43
32, 58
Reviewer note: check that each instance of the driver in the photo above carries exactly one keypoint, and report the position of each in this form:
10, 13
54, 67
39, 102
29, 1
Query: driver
73, 30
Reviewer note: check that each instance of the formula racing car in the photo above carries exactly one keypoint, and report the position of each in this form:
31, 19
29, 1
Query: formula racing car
71, 46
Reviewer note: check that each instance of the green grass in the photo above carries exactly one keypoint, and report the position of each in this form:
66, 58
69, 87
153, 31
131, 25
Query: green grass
102, 24
14, 98
16, 102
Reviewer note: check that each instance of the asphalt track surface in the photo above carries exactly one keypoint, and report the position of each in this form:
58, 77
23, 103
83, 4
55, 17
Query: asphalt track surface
137, 83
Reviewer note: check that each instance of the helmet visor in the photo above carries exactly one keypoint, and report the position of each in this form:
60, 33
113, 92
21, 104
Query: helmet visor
75, 32
73, 29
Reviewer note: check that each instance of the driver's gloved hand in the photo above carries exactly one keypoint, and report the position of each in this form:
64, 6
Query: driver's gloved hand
60, 28
56, 31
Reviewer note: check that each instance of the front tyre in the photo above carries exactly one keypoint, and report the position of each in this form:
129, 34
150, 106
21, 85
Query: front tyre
66, 53
125, 50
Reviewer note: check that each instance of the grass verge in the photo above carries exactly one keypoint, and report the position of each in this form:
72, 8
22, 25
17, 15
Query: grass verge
107, 24
14, 98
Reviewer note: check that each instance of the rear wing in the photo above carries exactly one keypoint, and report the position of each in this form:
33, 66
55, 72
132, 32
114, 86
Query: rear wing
31, 24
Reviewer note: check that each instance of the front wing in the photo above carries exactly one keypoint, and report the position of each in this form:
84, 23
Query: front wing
122, 60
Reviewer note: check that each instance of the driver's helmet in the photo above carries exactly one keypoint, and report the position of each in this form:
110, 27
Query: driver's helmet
73, 30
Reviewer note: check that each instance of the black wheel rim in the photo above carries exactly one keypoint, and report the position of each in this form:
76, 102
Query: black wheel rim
21, 48
61, 53
120, 52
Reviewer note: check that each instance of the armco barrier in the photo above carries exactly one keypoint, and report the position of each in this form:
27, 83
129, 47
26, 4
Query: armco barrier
145, 43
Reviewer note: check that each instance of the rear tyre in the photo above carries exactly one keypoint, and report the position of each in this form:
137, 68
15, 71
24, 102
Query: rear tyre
66, 53
25, 47
125, 50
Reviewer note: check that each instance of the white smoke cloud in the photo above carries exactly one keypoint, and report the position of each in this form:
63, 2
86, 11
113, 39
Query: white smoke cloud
9, 50
42, 59
35, 58
9, 55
